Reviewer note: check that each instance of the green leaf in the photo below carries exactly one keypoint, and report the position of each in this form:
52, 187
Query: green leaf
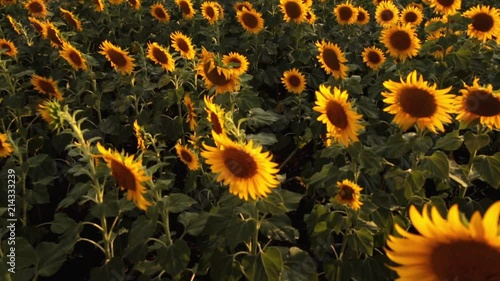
298, 266
414, 181
238, 231
257, 117
51, 256
279, 201
141, 229
178, 202
224, 267
62, 223
437, 164
265, 139
36, 160
74, 195
193, 222
488, 168
457, 174
474, 142
361, 240
450, 142
279, 227
369, 162
175, 258
265, 266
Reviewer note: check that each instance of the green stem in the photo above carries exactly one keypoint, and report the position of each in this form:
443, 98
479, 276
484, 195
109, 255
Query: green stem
288, 158
463, 191
255, 237
338, 276
166, 227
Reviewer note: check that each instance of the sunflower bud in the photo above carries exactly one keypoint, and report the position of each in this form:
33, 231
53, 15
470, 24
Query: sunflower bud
51, 112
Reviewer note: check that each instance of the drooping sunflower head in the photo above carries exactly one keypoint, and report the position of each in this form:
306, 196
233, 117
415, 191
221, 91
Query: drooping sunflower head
363, 16
47, 86
187, 156
73, 57
293, 10
250, 20
128, 174
373, 57
119, 59
447, 248
51, 112
8, 47
236, 62
401, 41
342, 122
241, 6
346, 13
71, 19
485, 22
52, 33
138, 130
37, 25
182, 44
161, 56
445, 7
159, 12
36, 8
210, 12
387, 14
332, 59
135, 4
214, 75
349, 194
414, 101
191, 112
247, 170
215, 115
294, 81
6, 148
186, 8
479, 101
411, 15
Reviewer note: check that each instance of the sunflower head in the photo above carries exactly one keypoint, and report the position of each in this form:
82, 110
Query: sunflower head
242, 6
99, 5
251, 20
186, 8
51, 112
401, 41
138, 130
159, 12
332, 59
8, 47
387, 14
182, 44
485, 22
6, 148
373, 57
363, 16
310, 17
294, 81
411, 15
37, 25
236, 62
73, 57
346, 13
187, 156
293, 10
210, 11
161, 56
445, 7
52, 33
215, 115
479, 101
135, 4
191, 112
15, 24
349, 194
119, 59
214, 75
47, 86
36, 8
70, 18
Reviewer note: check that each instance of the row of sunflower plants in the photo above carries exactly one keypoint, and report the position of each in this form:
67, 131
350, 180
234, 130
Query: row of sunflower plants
252, 140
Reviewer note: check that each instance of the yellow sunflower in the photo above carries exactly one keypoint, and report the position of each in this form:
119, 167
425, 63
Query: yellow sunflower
220, 9
139, 135
387, 14
342, 122
182, 44
187, 156
99, 5
349, 194
485, 22
186, 8
9, 47
159, 12
377, 2
411, 15
50, 111
210, 12
250, 20
73, 57
445, 7
415, 101
448, 248
47, 86
480, 102
161, 56
401, 41
7, 2
215, 116
363, 17
242, 6
136, 4
5, 147
52, 33
293, 10
115, 2
294, 81
238, 63
373, 57
70, 18
246, 169
36, 8
15, 25
310, 17
220, 77
128, 174
191, 112
37, 25
332, 59
119, 59
346, 13
417, 5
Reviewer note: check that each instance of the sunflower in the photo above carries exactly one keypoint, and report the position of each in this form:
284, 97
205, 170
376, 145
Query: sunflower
251, 20
161, 56
239, 63
294, 81
15, 25
242, 6
480, 102
293, 10
377, 2
99, 5
187, 156
342, 122
73, 57
346, 13
139, 135
46, 86
387, 14
485, 22
128, 174
159, 12
247, 170
37, 25
210, 12
221, 10
411, 15
182, 44
136, 4
9, 46
445, 7
363, 17
415, 101
416, 5
447, 248
50, 111
36, 8
186, 8
115, 2
310, 17
52, 33
349, 194
119, 59
71, 19
5, 147
373, 57
191, 112
7, 2
215, 116
332, 59
220, 77
401, 41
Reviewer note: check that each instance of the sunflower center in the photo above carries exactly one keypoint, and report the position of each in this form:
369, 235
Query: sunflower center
160, 13
75, 58
293, 10
210, 12
361, 17
216, 125
345, 13
464, 260
185, 8
250, 20
482, 22
160, 56
411, 17
239, 163
400, 40
417, 102
35, 7
183, 45
54, 38
446, 3
213, 75
387, 15
117, 58
330, 59
346, 192
336, 114
294, 80
38, 27
6, 46
46, 86
124, 177
373, 57
482, 103
1, 144
186, 156
132, 2
236, 62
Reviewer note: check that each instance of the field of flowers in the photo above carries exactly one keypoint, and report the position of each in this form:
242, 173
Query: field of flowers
261, 140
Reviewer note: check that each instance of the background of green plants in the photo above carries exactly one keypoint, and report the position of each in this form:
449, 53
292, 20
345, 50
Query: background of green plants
302, 234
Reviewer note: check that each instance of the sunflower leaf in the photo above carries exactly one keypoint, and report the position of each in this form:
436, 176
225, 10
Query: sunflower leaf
178, 202
450, 142
265, 266
474, 142
488, 168
279, 228
437, 164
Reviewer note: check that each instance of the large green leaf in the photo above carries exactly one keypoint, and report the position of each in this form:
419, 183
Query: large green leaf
298, 266
175, 258
361, 240
450, 142
193, 222
141, 229
279, 227
178, 202
51, 256
474, 142
265, 266
488, 168
437, 164
224, 267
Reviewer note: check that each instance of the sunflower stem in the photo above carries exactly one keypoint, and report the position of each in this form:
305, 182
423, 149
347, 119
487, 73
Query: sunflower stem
255, 237
288, 158
166, 227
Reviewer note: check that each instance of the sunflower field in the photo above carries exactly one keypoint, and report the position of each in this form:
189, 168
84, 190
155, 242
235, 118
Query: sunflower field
257, 140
